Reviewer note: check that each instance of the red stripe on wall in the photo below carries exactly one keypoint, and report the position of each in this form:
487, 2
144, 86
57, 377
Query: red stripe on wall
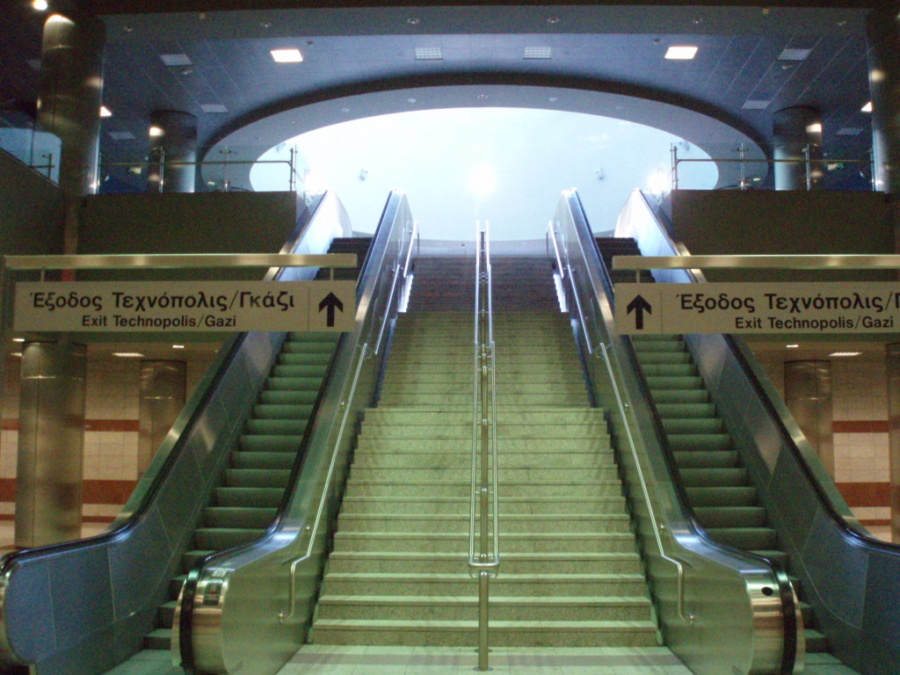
93, 491
111, 425
89, 425
865, 494
860, 427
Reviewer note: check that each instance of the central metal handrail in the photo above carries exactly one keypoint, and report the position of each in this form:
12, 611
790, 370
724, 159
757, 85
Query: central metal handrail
484, 507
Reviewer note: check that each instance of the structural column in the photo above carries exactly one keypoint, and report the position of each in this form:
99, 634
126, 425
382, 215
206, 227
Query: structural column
69, 106
807, 393
893, 383
162, 387
798, 138
173, 152
884, 81
51, 443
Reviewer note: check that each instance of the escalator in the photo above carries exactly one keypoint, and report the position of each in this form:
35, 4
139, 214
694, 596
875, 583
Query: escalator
752, 485
219, 481
722, 494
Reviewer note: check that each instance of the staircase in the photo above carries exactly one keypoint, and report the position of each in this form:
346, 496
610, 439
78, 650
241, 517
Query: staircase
722, 495
570, 572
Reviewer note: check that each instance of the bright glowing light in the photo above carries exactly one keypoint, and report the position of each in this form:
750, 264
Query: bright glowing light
658, 182
314, 182
815, 128
105, 112
287, 55
844, 354
40, 5
156, 132
867, 107
483, 180
681, 52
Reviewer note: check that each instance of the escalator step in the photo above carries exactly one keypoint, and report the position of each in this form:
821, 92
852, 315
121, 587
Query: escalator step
685, 382
263, 460
165, 614
670, 357
285, 397
299, 385
161, 638
731, 516
697, 459
234, 517
221, 538
271, 443
275, 427
692, 425
707, 442
686, 410
726, 477
300, 372
256, 477
773, 554
189, 559
235, 497
745, 538
815, 640
681, 396
723, 496
272, 411
301, 362
669, 369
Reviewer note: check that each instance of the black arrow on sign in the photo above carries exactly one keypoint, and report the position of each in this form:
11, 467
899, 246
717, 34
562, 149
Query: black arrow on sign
639, 306
331, 301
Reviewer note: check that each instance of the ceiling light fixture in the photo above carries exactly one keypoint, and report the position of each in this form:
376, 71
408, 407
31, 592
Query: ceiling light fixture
156, 132
176, 60
681, 52
128, 355
867, 108
105, 112
40, 5
794, 54
793, 346
429, 54
844, 354
538, 53
286, 56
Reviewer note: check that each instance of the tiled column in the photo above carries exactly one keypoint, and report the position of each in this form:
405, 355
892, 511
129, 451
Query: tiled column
173, 152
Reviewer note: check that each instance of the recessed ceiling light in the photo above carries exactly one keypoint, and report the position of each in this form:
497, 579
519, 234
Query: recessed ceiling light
538, 53
553, 20
121, 135
176, 59
105, 112
18, 339
429, 54
794, 54
849, 131
681, 52
156, 132
286, 56
755, 105
177, 346
867, 108
128, 355
794, 346
413, 21
40, 5
212, 108
842, 354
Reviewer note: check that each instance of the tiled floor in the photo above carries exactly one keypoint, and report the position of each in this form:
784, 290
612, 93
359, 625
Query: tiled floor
328, 660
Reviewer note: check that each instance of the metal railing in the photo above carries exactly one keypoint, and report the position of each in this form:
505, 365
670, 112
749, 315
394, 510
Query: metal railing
484, 507
809, 162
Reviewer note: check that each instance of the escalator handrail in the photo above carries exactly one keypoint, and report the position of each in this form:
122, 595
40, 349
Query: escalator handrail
785, 589
782, 418
369, 272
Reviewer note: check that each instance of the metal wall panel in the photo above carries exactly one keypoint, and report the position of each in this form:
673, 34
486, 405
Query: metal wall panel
807, 393
162, 394
51, 443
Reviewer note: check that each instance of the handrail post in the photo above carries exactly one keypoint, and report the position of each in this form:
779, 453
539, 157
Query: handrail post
674, 151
